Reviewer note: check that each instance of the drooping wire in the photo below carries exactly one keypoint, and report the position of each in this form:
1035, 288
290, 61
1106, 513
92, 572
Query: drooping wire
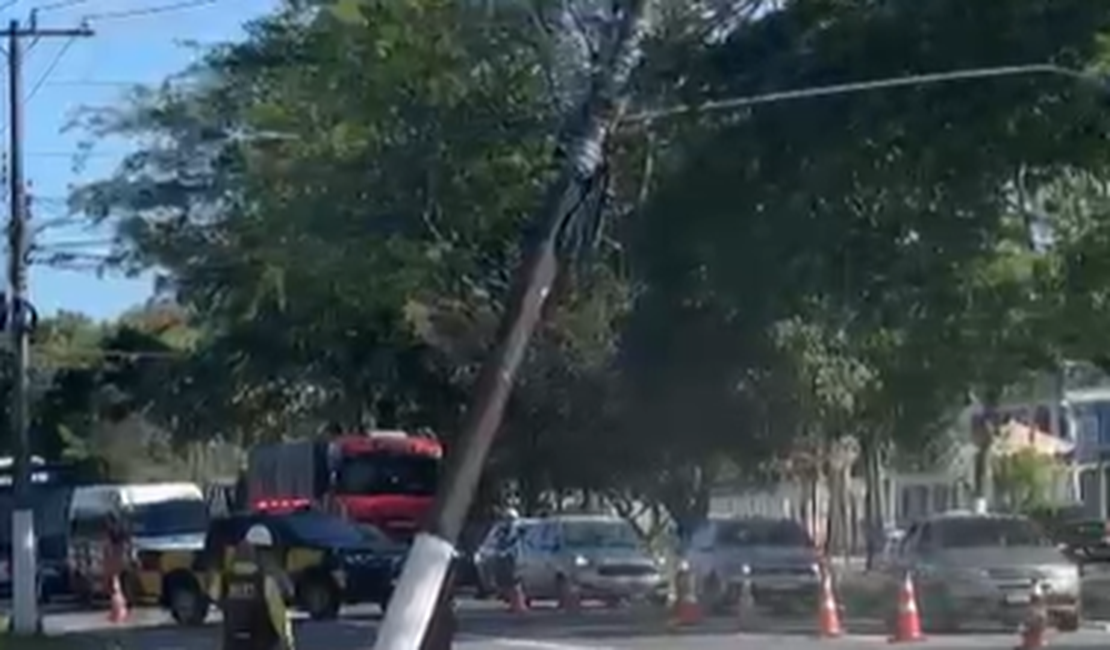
60, 4
148, 11
53, 65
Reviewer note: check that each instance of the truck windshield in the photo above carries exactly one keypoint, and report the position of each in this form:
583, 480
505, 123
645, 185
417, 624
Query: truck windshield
368, 474
177, 517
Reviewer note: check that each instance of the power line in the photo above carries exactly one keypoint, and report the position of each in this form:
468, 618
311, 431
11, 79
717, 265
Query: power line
61, 4
53, 65
101, 83
149, 11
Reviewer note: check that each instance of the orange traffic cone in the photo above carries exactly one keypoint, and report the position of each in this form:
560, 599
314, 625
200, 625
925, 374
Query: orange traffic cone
828, 614
907, 627
518, 603
1036, 621
686, 608
117, 612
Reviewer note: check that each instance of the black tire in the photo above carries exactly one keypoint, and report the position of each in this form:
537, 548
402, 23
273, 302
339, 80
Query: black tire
383, 600
186, 602
564, 591
1068, 622
319, 598
712, 594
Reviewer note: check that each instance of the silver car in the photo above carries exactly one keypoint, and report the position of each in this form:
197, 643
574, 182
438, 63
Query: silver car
776, 556
975, 567
599, 556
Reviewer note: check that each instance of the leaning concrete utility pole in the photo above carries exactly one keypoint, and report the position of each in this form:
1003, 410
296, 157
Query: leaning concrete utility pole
422, 580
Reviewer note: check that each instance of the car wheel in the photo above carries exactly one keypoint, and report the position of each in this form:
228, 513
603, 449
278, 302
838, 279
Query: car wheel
1068, 622
711, 593
937, 615
564, 592
383, 600
187, 604
320, 599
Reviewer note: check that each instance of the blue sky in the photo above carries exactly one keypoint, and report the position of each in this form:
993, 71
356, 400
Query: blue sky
96, 71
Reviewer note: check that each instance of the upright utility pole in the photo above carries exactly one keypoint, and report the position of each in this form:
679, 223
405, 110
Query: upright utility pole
420, 590
25, 618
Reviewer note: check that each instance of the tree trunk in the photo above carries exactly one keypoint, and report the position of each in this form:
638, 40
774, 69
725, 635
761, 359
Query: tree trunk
686, 499
874, 498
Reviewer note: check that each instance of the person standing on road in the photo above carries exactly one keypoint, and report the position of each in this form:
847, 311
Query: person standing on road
505, 560
252, 597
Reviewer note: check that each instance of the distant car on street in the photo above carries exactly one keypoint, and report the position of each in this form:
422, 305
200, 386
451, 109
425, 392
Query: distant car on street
975, 567
777, 556
595, 556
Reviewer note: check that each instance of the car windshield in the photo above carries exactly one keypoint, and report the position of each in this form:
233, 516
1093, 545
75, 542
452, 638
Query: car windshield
319, 529
595, 534
378, 473
763, 533
975, 532
176, 517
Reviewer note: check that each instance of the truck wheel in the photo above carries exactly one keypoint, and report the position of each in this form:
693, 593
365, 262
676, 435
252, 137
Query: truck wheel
320, 599
187, 604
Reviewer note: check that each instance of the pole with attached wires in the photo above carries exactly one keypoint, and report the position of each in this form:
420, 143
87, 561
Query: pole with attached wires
421, 589
25, 616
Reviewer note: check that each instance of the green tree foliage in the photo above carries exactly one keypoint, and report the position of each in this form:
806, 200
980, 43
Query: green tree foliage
885, 219
337, 202
1027, 480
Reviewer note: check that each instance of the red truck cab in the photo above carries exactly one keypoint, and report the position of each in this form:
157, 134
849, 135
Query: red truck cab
384, 478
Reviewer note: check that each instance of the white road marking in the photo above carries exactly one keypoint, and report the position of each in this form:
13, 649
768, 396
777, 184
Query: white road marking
532, 644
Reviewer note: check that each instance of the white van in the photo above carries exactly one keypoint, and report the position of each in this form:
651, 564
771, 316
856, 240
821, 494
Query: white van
158, 516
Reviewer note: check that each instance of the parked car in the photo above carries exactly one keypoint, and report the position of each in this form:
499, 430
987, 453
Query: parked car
976, 567
596, 556
777, 557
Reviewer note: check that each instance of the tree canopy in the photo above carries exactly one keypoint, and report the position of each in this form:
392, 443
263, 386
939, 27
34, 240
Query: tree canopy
336, 203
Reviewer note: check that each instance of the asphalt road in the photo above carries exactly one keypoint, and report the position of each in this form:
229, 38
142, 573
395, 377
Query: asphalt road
487, 626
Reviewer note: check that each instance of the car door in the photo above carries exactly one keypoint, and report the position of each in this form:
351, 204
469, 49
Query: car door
535, 554
488, 555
